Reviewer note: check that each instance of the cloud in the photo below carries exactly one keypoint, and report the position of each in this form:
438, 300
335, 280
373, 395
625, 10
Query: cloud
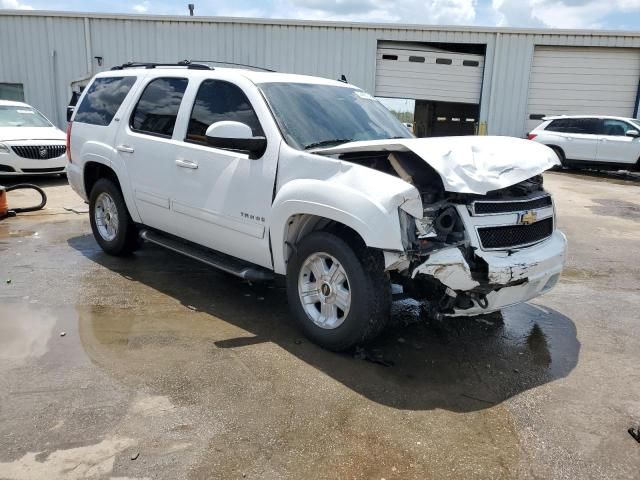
141, 7
14, 5
407, 11
559, 13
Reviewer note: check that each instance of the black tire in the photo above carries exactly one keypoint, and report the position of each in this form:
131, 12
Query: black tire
126, 239
561, 157
369, 287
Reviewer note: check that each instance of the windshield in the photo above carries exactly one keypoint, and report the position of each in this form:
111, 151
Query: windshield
312, 115
18, 116
636, 122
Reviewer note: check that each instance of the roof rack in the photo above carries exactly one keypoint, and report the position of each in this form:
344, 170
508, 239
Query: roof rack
234, 64
184, 63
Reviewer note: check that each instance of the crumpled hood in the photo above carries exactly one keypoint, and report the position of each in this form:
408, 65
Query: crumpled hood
8, 134
467, 164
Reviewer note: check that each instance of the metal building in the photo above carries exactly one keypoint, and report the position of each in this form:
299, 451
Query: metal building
498, 80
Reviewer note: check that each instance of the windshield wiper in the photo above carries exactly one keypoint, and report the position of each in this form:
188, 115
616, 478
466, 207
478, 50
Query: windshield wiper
328, 143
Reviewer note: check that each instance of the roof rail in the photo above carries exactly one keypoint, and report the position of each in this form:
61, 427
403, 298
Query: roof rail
234, 64
149, 65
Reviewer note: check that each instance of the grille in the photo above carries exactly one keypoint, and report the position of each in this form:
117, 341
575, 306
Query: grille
515, 235
487, 208
43, 170
39, 152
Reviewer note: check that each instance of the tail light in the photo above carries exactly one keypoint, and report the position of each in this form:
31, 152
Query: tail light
69, 141
531, 136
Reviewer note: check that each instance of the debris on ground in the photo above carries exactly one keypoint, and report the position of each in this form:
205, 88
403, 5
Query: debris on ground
635, 433
82, 209
135, 455
373, 357
8, 280
62, 334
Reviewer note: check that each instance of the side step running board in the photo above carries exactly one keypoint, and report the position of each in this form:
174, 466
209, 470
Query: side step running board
220, 261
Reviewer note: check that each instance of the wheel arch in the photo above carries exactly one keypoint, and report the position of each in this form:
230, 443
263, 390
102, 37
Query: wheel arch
93, 171
295, 225
557, 148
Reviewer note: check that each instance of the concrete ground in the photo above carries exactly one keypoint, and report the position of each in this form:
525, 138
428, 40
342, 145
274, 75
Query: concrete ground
158, 367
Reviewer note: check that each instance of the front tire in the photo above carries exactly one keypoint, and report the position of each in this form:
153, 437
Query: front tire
111, 224
339, 294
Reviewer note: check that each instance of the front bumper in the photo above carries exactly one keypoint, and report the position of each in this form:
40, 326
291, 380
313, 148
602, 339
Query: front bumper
525, 274
11, 164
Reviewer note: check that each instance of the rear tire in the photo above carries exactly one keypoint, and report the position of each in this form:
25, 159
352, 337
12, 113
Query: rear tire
111, 223
339, 293
561, 157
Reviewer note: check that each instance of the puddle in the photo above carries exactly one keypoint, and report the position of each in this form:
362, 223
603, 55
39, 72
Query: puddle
616, 208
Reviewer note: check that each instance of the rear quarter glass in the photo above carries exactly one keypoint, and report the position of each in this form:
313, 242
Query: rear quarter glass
104, 97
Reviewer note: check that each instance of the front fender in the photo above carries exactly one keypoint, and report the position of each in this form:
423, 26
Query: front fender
378, 225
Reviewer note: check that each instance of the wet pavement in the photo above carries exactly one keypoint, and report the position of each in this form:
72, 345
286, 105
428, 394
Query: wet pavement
155, 366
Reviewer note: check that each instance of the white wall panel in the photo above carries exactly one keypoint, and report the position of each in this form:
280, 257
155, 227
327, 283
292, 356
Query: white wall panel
583, 80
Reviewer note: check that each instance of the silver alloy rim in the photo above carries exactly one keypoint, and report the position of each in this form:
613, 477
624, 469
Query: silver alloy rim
323, 287
106, 217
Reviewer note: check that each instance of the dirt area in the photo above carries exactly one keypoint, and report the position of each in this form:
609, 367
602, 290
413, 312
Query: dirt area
155, 366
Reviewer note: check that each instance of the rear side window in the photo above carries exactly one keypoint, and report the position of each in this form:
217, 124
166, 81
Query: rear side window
216, 101
158, 106
585, 126
103, 99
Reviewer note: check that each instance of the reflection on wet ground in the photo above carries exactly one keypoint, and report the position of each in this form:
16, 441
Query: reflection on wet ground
457, 364
24, 332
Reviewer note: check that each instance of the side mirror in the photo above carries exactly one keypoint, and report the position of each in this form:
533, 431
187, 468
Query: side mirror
235, 136
632, 133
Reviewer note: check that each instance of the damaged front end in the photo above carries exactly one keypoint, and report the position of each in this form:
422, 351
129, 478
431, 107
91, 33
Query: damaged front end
470, 253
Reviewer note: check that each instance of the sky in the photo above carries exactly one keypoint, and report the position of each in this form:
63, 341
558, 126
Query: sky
583, 14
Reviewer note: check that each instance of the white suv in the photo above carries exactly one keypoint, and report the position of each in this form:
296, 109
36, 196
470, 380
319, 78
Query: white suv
268, 174
29, 143
591, 141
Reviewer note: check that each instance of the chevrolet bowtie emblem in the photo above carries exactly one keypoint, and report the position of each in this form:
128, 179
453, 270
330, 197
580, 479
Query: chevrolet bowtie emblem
528, 218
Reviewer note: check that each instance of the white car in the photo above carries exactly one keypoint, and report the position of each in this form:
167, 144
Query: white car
29, 143
267, 174
591, 140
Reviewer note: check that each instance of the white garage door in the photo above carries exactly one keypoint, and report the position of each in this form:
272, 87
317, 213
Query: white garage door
428, 74
583, 80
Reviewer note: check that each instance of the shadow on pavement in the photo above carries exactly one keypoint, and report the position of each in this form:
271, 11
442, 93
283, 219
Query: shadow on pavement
460, 364
621, 177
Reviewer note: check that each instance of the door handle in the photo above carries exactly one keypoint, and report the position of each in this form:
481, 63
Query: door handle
181, 162
125, 148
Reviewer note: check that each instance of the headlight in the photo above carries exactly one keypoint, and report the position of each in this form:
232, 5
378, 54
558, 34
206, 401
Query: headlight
4, 148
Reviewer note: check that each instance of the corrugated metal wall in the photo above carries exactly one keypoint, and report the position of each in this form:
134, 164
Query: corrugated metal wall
47, 51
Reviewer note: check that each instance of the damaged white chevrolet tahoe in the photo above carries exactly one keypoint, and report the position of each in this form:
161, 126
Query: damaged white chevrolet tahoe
263, 174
